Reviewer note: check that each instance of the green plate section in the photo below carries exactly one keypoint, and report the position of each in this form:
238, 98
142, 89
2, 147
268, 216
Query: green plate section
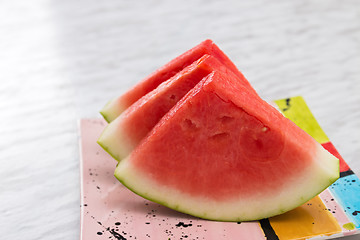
297, 111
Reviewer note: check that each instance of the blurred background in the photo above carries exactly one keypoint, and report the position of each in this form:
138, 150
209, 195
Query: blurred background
63, 60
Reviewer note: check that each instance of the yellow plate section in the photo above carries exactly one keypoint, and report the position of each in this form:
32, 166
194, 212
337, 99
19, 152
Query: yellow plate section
297, 111
309, 220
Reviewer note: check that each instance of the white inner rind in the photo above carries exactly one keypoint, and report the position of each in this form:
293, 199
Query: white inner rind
307, 184
112, 110
114, 141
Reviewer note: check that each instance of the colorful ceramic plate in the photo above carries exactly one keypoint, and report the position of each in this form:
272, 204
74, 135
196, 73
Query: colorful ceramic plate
111, 211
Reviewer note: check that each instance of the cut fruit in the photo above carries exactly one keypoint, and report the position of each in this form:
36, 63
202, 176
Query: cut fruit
222, 153
123, 134
116, 106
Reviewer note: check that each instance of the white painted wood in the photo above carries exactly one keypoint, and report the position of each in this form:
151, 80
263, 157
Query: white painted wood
62, 60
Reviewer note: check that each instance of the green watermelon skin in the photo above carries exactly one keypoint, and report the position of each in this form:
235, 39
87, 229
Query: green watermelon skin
116, 106
123, 134
222, 153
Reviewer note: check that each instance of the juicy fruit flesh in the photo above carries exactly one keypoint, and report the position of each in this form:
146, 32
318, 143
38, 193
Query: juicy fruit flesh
116, 106
137, 121
202, 138
214, 150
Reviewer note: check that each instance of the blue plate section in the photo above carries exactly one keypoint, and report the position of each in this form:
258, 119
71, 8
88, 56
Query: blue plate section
346, 190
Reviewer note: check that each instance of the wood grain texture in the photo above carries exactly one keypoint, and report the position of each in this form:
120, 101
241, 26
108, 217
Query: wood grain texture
62, 60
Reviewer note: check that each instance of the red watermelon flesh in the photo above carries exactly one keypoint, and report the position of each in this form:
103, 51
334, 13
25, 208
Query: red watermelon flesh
116, 106
123, 134
222, 153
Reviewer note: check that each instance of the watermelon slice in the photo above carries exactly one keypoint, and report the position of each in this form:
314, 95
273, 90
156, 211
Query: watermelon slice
116, 106
123, 134
222, 153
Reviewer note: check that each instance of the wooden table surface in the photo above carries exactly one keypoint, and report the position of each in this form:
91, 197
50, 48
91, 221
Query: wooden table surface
63, 60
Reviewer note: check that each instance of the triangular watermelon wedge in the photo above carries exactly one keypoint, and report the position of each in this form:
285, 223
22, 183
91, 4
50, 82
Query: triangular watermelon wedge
116, 106
222, 153
123, 134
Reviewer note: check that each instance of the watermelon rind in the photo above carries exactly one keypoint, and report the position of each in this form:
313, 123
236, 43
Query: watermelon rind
116, 144
301, 189
108, 112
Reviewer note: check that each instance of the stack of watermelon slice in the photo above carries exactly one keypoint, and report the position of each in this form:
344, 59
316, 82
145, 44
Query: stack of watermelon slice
196, 137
